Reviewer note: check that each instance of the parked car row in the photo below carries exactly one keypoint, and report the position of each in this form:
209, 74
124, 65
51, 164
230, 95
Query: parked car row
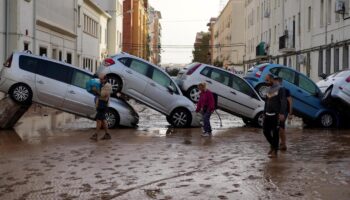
28, 78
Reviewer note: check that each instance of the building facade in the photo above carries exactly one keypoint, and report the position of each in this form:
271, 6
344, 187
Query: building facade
228, 39
135, 28
155, 34
69, 31
115, 25
310, 36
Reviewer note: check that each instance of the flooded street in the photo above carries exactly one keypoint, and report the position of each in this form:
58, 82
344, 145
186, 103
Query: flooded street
50, 156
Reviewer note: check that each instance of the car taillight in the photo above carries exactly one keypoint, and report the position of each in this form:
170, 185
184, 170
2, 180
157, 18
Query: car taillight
193, 69
258, 73
108, 62
8, 62
348, 80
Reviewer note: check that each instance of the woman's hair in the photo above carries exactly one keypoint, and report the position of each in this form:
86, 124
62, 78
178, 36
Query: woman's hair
203, 85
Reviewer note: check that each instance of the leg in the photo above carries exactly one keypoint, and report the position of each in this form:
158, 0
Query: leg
267, 128
283, 139
107, 136
275, 136
98, 127
206, 120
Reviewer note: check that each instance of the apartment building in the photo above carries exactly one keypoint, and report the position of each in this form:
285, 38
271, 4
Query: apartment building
66, 30
211, 42
308, 35
228, 29
135, 28
155, 34
115, 25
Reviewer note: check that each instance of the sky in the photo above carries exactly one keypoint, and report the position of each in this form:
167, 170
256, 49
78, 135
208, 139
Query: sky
181, 20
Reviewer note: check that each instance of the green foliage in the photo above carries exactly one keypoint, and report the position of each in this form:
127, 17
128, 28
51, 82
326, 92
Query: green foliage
201, 51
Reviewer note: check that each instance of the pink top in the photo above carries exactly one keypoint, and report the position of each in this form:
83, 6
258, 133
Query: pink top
206, 99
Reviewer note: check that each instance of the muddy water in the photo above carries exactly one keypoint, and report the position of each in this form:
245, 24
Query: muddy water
156, 162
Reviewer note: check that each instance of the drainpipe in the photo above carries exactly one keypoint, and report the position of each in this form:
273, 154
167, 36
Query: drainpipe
7, 18
34, 27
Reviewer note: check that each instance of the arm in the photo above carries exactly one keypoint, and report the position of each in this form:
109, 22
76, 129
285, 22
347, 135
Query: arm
199, 104
211, 102
290, 101
283, 101
96, 91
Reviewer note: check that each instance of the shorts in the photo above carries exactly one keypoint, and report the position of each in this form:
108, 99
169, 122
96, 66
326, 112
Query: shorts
101, 114
282, 125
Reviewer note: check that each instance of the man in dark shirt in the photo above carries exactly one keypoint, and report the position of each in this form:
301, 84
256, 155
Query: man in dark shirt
275, 110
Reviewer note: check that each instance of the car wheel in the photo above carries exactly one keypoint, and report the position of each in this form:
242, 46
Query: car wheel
259, 119
112, 118
262, 90
180, 118
193, 94
116, 83
327, 120
247, 121
21, 93
327, 97
168, 119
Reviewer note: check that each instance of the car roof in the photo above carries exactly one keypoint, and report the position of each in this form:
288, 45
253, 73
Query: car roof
123, 54
51, 60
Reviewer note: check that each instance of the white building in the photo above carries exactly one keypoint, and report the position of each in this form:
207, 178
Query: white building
307, 35
228, 30
115, 25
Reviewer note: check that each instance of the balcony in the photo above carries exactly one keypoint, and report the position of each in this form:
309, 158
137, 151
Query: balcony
286, 44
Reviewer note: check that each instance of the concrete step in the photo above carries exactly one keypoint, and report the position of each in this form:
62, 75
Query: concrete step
10, 112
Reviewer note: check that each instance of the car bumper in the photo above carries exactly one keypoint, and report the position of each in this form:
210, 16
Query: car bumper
196, 119
129, 121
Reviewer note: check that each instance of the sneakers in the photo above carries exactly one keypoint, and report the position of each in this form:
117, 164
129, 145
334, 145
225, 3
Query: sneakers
107, 136
206, 134
94, 137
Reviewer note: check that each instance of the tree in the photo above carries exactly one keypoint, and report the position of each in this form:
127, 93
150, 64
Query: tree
201, 51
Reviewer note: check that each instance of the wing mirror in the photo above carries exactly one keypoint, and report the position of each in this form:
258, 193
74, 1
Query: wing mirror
323, 76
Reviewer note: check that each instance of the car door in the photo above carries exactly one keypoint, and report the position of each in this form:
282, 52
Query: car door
52, 83
160, 97
136, 78
247, 99
78, 100
307, 96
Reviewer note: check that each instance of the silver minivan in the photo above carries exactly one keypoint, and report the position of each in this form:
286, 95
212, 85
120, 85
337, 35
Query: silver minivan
28, 78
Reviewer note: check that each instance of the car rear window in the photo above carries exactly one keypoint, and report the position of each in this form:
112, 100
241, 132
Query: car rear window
28, 63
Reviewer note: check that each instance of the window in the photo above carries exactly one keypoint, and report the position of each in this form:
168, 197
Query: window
90, 26
274, 71
328, 61
220, 76
205, 71
307, 85
80, 79
160, 78
60, 55
322, 13
28, 63
139, 67
26, 46
69, 58
125, 61
309, 22
240, 85
287, 75
336, 59
43, 51
345, 57
320, 62
88, 64
79, 17
329, 12
54, 71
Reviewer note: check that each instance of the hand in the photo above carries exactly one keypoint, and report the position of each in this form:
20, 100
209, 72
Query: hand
282, 117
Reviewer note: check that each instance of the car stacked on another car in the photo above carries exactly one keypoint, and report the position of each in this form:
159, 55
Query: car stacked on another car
305, 93
336, 87
150, 85
28, 78
234, 94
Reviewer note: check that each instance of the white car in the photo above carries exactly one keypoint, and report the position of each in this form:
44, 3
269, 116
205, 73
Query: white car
234, 94
28, 78
150, 85
336, 86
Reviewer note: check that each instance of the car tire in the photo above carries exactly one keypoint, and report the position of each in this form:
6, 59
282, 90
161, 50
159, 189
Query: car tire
193, 94
180, 118
327, 97
247, 121
327, 120
21, 93
261, 89
116, 82
112, 118
259, 120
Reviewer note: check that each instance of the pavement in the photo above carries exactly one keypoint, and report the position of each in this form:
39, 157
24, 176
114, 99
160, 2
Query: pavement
50, 156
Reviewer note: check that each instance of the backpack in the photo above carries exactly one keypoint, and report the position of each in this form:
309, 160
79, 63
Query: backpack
93, 83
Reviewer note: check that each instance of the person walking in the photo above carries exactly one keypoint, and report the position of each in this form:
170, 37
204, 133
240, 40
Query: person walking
103, 95
288, 115
206, 106
275, 110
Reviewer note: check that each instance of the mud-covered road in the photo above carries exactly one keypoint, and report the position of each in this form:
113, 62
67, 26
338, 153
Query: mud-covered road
50, 156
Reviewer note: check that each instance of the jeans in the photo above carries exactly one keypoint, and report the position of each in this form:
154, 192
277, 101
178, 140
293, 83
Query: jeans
271, 130
206, 122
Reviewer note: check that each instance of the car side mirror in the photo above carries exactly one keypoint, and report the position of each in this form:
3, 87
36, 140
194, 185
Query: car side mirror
170, 89
323, 76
